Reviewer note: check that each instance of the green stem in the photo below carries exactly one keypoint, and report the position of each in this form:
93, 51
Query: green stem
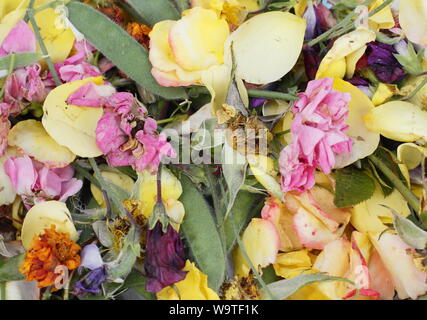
86, 174
398, 184
254, 93
415, 91
30, 13
11, 66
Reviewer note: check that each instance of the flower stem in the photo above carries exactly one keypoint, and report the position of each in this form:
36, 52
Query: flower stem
254, 93
415, 91
30, 13
397, 183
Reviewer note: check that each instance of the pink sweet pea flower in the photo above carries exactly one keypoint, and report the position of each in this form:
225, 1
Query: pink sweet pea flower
19, 40
34, 182
88, 95
317, 135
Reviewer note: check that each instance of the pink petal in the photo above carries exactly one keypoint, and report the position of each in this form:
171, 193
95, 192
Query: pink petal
19, 40
22, 174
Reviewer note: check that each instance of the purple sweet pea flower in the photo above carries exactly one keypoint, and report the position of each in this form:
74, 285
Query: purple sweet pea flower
164, 258
383, 63
256, 102
91, 283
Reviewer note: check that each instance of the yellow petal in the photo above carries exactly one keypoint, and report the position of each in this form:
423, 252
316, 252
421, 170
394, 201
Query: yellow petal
413, 20
332, 63
381, 20
261, 242
33, 140
161, 57
291, 264
197, 40
370, 215
193, 287
411, 154
300, 7
351, 61
383, 93
115, 177
175, 211
59, 42
420, 98
267, 46
72, 126
147, 189
365, 141
42, 216
217, 81
398, 120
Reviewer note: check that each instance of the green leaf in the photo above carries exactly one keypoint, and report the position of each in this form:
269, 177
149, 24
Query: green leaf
352, 187
21, 60
411, 61
118, 46
408, 231
135, 280
154, 11
9, 268
245, 207
284, 288
234, 170
200, 231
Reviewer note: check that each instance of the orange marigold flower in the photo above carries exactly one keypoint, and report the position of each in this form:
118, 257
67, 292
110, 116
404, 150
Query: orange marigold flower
47, 251
140, 33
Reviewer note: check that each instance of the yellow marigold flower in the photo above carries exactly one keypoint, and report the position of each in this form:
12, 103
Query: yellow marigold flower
193, 287
140, 32
47, 251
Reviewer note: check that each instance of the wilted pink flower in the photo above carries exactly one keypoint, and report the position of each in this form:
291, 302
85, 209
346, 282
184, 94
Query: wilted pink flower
34, 182
76, 67
88, 95
127, 137
317, 135
164, 258
19, 40
4, 131
296, 173
22, 87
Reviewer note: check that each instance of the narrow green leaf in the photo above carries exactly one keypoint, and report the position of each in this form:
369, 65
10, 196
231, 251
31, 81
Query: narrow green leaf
118, 46
284, 288
21, 60
352, 187
9, 268
245, 207
408, 231
234, 170
155, 11
200, 231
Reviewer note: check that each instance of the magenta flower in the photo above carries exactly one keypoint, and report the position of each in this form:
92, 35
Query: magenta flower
164, 258
19, 40
128, 138
317, 135
34, 182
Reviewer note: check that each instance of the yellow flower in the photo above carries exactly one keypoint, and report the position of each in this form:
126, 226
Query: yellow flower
398, 120
293, 263
31, 137
420, 98
42, 216
261, 242
193, 287
411, 154
73, 126
59, 42
234, 11
171, 191
180, 50
342, 58
413, 20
